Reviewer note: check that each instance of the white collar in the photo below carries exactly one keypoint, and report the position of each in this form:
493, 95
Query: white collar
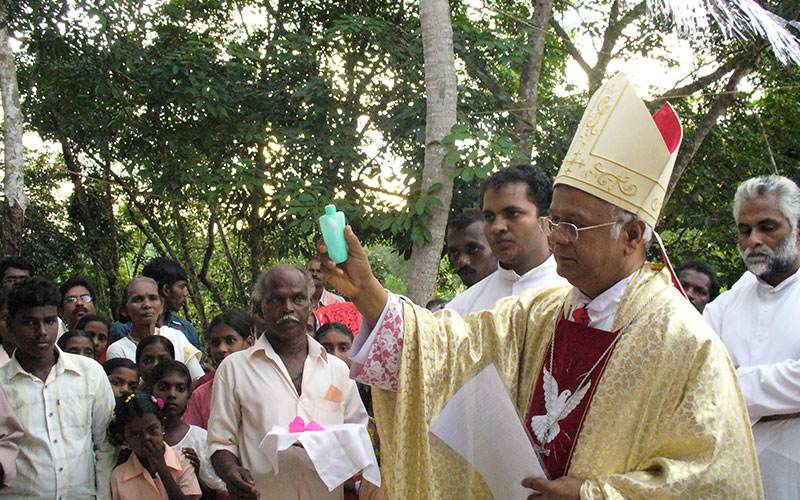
545, 268
606, 302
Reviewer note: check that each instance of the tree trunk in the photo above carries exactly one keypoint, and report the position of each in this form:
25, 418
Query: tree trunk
441, 91
203, 274
529, 78
112, 261
238, 287
102, 242
14, 183
254, 239
194, 285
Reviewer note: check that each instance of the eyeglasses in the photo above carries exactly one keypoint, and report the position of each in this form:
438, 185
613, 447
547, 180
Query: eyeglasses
564, 230
74, 300
13, 279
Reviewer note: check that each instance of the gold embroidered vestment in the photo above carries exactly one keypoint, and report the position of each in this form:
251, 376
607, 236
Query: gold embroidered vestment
667, 420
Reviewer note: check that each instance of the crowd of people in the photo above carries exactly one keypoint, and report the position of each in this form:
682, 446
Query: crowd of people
632, 381
128, 411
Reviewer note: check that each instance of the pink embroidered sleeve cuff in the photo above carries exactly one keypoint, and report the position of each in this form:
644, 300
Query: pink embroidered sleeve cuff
376, 352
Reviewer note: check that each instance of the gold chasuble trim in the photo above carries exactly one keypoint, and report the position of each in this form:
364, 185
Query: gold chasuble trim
667, 420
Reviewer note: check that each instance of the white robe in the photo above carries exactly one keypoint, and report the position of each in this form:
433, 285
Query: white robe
504, 283
760, 326
185, 352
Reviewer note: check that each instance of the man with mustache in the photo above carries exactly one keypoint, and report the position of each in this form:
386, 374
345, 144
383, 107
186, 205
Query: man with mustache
77, 300
468, 249
512, 201
758, 322
285, 374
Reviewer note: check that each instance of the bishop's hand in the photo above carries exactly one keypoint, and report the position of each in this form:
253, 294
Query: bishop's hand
353, 278
563, 488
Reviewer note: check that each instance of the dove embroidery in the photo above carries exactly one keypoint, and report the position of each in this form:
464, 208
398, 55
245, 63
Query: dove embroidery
558, 407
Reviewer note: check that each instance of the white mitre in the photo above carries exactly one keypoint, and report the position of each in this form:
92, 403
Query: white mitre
620, 153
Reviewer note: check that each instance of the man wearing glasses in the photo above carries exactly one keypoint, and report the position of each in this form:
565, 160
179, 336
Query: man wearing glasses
12, 270
625, 391
77, 301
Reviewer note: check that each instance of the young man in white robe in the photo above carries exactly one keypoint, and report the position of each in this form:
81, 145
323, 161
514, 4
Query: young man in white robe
512, 201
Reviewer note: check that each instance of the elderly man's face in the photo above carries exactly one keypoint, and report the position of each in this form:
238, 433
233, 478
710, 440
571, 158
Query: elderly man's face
286, 305
77, 303
593, 262
767, 243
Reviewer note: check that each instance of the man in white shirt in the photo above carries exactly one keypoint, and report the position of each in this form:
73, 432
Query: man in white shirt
758, 321
513, 199
468, 249
285, 374
63, 401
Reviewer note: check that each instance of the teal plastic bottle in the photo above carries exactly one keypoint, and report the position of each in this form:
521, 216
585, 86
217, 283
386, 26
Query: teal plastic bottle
332, 225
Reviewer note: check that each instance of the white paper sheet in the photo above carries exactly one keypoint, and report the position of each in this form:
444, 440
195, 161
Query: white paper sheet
481, 424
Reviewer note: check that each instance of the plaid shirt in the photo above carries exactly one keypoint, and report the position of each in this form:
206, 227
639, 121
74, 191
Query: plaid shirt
65, 453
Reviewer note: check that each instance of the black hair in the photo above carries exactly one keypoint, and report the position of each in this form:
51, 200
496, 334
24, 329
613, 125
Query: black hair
702, 267
134, 405
32, 292
333, 325
16, 262
238, 319
114, 363
465, 219
126, 292
3, 300
165, 271
166, 368
540, 184
93, 318
436, 302
71, 334
154, 339
73, 282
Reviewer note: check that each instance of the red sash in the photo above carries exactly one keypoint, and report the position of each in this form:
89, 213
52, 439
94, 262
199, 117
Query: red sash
577, 349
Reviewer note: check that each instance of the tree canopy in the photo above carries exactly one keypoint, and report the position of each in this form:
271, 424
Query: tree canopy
214, 132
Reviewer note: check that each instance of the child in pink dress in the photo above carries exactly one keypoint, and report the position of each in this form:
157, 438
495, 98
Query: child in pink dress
154, 470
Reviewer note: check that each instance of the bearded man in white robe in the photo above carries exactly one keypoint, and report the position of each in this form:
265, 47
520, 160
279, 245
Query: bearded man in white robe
759, 322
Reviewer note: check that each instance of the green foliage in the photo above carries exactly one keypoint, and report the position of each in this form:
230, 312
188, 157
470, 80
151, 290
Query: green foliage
698, 221
246, 121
